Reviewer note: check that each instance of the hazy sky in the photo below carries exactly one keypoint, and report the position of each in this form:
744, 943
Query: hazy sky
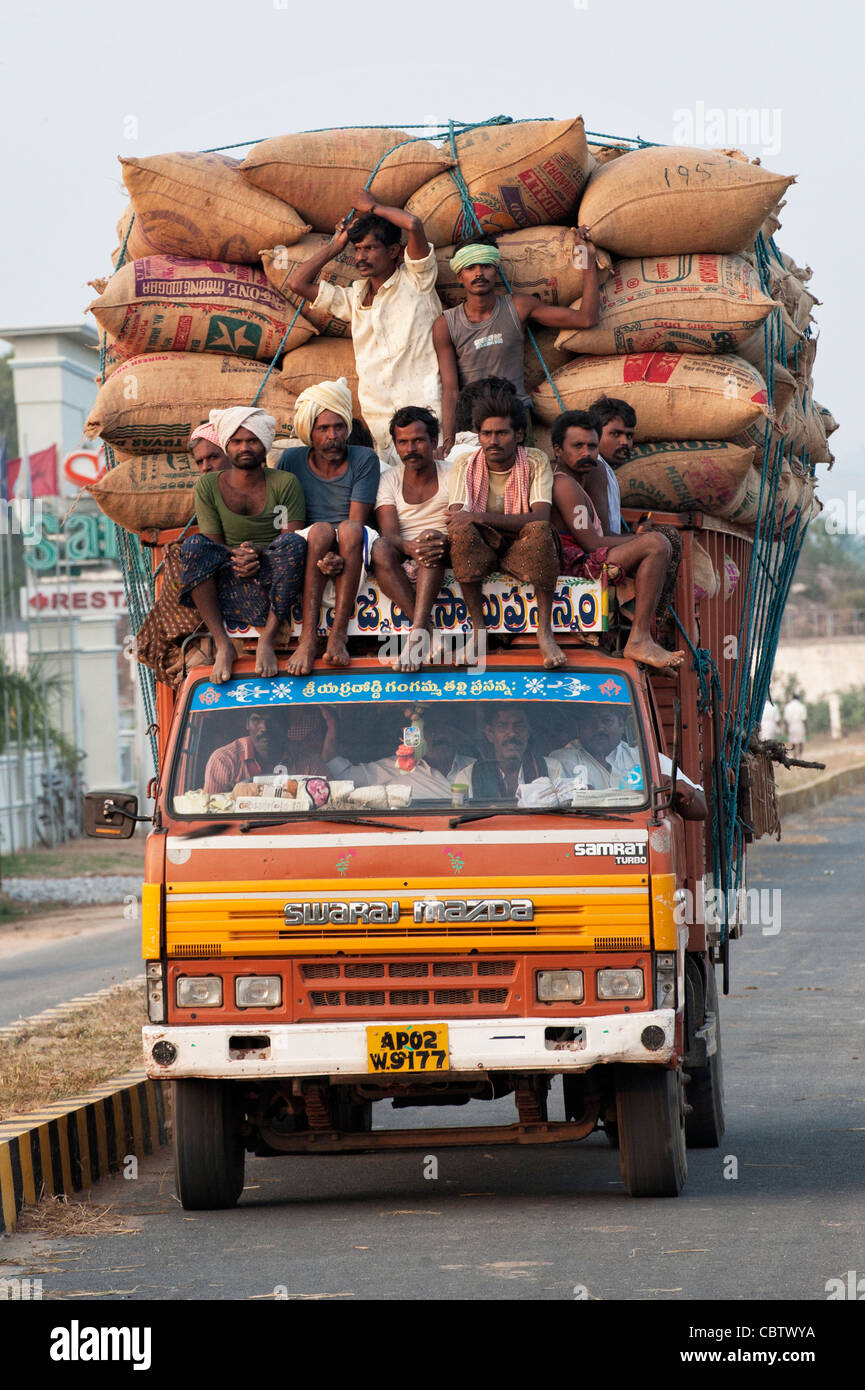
193, 75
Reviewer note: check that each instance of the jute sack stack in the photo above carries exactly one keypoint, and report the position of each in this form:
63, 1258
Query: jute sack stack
686, 476
783, 336
200, 205
280, 261
703, 303
319, 172
518, 175
170, 304
151, 404
325, 359
147, 490
669, 199
676, 396
553, 357
539, 260
135, 244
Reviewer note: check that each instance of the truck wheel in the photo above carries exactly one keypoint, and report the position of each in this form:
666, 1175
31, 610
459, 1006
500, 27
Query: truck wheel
704, 1125
651, 1121
208, 1150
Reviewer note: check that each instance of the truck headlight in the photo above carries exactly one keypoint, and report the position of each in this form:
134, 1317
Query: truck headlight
258, 991
555, 986
620, 984
199, 991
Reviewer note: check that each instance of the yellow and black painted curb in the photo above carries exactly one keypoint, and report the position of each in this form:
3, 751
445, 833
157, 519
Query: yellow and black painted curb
65, 1147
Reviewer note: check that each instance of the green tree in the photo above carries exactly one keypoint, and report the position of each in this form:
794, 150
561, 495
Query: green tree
8, 417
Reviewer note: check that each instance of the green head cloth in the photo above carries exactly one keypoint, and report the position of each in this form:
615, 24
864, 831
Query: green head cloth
475, 254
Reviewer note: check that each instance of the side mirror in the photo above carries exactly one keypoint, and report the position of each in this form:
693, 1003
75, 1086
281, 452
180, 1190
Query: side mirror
111, 814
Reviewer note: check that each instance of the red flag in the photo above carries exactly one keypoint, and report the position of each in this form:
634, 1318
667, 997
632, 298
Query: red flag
43, 473
13, 468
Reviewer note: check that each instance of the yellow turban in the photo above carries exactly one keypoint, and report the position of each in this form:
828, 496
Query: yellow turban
327, 395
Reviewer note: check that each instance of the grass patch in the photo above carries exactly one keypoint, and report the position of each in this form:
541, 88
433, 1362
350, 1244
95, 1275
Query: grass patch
76, 858
11, 909
48, 1062
58, 1217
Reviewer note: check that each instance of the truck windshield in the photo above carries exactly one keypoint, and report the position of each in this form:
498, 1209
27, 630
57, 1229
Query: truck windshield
322, 744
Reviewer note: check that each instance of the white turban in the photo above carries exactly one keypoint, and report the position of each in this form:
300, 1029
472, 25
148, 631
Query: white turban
327, 395
228, 422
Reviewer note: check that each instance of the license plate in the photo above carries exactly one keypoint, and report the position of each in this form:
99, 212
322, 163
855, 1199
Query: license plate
407, 1048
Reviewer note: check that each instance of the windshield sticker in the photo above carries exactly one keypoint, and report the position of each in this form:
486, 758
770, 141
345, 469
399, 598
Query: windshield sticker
586, 688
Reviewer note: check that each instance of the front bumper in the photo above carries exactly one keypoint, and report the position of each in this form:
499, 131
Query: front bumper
476, 1045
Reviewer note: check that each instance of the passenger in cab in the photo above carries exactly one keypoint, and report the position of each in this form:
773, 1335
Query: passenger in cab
274, 739
245, 567
499, 516
514, 762
600, 757
411, 511
433, 774
645, 555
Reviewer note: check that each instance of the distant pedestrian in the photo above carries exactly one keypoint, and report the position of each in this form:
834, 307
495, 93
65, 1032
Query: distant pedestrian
770, 724
795, 718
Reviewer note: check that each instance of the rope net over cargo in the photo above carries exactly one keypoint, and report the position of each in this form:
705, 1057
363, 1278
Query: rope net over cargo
734, 704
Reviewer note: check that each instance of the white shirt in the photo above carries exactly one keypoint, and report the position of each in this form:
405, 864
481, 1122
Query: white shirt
425, 781
770, 724
620, 763
614, 498
415, 517
795, 715
554, 772
393, 345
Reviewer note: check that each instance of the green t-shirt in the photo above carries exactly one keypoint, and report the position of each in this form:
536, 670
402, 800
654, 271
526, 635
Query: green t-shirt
213, 516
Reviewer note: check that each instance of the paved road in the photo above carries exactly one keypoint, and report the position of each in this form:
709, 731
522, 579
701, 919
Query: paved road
533, 1224
57, 970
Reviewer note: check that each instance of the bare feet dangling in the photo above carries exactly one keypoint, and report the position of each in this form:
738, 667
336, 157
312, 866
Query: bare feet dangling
645, 650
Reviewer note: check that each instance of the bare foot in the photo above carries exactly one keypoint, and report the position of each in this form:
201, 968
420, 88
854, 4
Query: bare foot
223, 663
300, 664
336, 652
645, 650
551, 652
414, 651
266, 663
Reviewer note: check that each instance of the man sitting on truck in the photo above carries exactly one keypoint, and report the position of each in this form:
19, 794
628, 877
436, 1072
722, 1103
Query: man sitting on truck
391, 310
339, 483
499, 516
486, 335
599, 757
205, 452
645, 555
412, 514
245, 567
617, 422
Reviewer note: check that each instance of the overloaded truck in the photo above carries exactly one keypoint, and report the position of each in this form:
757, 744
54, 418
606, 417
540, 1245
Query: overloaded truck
458, 884
419, 945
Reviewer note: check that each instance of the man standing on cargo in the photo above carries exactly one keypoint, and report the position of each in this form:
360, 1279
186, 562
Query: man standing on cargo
391, 310
499, 516
486, 335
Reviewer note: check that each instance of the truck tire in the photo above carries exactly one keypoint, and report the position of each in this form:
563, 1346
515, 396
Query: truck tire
704, 1124
208, 1150
651, 1122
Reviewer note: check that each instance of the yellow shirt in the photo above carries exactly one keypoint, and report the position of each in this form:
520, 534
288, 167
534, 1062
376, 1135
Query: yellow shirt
393, 347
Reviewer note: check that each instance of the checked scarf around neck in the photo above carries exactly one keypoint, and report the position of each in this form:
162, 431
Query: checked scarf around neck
516, 487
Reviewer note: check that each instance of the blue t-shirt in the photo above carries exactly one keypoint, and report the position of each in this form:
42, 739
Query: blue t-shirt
330, 499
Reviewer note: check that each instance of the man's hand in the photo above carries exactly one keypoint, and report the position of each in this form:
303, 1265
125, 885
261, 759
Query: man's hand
363, 201
583, 240
459, 518
429, 548
340, 239
331, 564
244, 559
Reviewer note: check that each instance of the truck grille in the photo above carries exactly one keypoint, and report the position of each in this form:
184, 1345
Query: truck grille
341, 995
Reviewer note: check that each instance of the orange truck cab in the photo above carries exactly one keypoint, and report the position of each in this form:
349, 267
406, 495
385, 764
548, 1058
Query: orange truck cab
368, 885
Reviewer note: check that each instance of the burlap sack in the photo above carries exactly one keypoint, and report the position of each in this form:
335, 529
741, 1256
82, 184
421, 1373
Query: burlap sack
169, 304
668, 199
319, 172
149, 490
676, 396
133, 246
539, 260
783, 335
553, 357
685, 476
602, 154
830, 424
517, 175
151, 405
681, 303
325, 359
707, 581
200, 205
280, 261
